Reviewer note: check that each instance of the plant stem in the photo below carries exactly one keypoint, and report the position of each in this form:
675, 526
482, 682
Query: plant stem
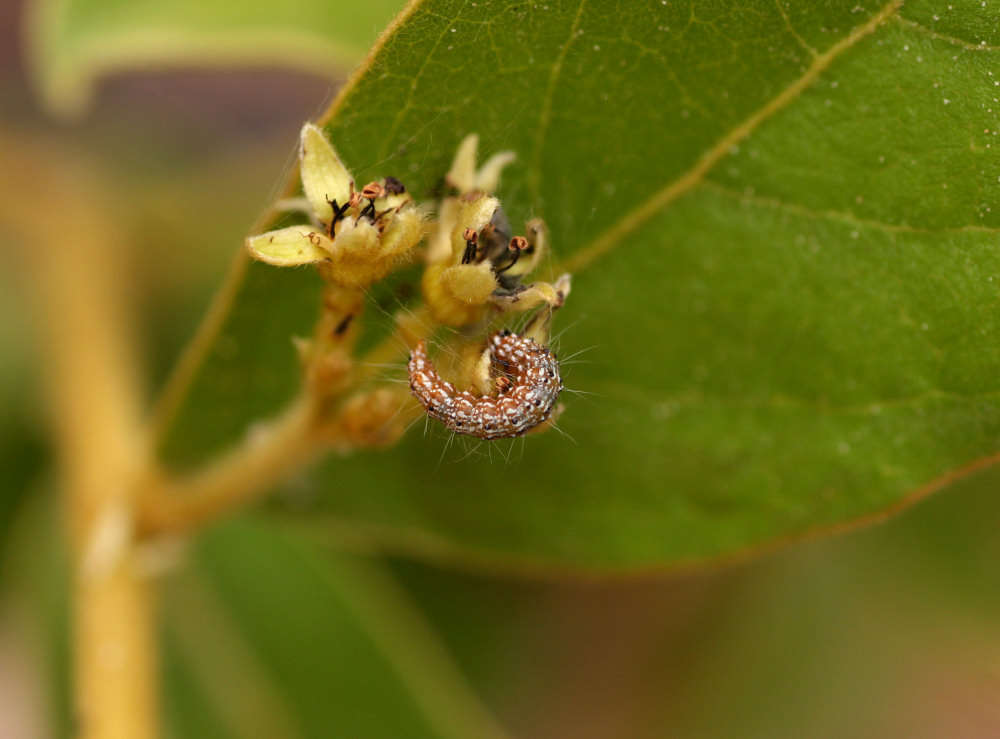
272, 450
237, 477
95, 405
115, 656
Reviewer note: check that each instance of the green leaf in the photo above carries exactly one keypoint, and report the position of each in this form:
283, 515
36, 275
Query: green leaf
263, 634
780, 225
73, 43
319, 641
918, 589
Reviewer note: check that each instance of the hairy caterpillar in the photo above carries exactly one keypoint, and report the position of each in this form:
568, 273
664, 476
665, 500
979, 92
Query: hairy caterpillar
529, 384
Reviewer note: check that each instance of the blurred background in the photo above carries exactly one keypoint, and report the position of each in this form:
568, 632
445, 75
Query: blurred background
892, 631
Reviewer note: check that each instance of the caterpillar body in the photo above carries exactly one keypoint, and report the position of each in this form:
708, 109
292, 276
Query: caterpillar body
529, 385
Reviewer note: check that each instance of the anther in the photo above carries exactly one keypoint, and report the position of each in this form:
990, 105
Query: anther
517, 245
394, 186
471, 245
373, 190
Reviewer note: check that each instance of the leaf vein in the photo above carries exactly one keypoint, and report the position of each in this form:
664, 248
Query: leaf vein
842, 216
648, 396
633, 220
795, 34
415, 82
954, 40
545, 115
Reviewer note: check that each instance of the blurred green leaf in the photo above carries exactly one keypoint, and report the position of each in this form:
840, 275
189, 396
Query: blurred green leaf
779, 220
317, 641
848, 636
24, 450
73, 43
189, 711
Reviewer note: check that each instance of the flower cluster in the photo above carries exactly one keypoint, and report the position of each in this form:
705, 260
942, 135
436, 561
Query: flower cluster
474, 272
356, 237
472, 259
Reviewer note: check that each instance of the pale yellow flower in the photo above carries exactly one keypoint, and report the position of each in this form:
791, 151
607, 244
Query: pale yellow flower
357, 237
473, 261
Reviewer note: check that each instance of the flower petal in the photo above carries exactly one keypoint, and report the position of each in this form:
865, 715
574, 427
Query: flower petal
538, 239
402, 232
488, 176
324, 176
439, 248
474, 214
462, 174
290, 247
392, 201
469, 283
456, 296
357, 239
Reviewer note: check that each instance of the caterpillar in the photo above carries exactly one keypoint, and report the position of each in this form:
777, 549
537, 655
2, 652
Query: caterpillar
528, 386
